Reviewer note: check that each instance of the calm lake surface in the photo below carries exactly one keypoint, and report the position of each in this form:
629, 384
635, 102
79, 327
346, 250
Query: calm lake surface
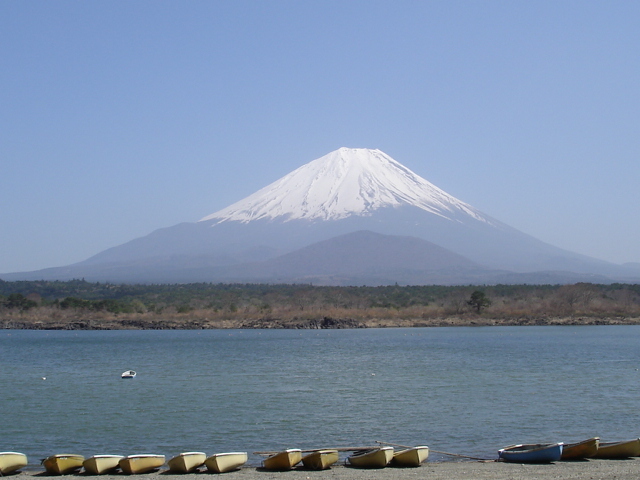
462, 390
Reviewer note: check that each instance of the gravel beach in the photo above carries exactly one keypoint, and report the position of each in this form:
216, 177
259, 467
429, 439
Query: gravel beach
464, 470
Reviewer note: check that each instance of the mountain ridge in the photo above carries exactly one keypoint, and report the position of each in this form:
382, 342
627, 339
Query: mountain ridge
270, 235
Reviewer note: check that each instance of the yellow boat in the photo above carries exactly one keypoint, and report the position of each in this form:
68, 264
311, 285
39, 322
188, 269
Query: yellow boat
284, 460
411, 457
320, 460
99, 464
580, 450
630, 448
186, 462
375, 458
63, 463
226, 462
144, 463
11, 462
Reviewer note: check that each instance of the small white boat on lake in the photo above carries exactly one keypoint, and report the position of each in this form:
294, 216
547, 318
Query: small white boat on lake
101, 464
128, 374
187, 462
285, 460
226, 462
12, 462
143, 463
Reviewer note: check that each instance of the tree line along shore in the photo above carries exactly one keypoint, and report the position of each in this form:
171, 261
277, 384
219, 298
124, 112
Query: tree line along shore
81, 305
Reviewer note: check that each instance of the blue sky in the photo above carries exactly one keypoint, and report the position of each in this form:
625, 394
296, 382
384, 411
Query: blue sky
119, 118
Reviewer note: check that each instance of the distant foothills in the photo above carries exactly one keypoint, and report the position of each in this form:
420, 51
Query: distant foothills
81, 305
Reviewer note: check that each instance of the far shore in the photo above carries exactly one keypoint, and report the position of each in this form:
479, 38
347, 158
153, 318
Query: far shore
461, 470
160, 322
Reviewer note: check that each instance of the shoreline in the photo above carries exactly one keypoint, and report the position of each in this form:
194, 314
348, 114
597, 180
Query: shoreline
126, 322
627, 469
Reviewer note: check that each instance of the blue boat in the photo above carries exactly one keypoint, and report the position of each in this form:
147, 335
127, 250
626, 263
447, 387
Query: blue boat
539, 453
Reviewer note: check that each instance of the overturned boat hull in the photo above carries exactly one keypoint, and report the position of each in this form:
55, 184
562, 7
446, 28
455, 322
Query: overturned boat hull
12, 462
187, 462
537, 453
63, 464
284, 460
612, 450
411, 457
376, 458
101, 464
145, 463
320, 460
226, 462
581, 450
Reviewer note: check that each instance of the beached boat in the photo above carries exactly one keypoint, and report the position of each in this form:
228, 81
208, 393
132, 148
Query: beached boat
11, 462
538, 453
374, 458
128, 374
99, 464
186, 462
411, 457
320, 460
580, 450
630, 448
226, 462
63, 463
141, 463
284, 460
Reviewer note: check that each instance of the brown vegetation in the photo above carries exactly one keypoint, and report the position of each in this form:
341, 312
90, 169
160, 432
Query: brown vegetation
319, 307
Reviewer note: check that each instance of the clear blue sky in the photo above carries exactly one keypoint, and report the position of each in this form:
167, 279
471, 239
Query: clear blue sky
118, 118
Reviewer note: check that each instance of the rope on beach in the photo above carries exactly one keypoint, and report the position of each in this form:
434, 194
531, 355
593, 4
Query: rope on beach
441, 453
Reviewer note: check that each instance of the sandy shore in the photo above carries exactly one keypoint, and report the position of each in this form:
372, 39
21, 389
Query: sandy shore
463, 470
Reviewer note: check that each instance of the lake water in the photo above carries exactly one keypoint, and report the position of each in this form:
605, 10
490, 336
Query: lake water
463, 390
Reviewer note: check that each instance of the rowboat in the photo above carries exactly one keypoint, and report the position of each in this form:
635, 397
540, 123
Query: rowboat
630, 448
11, 462
375, 458
580, 450
186, 462
284, 460
320, 460
63, 463
411, 457
99, 464
226, 462
141, 463
538, 453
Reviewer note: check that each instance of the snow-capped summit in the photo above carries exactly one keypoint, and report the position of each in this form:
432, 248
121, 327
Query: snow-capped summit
345, 182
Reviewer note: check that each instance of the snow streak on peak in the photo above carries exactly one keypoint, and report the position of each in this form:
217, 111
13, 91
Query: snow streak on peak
345, 182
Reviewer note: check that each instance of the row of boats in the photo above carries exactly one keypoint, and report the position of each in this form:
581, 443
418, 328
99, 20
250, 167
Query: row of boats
318, 459
189, 462
590, 448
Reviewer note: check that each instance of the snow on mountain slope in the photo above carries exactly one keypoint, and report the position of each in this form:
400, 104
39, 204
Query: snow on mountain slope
345, 182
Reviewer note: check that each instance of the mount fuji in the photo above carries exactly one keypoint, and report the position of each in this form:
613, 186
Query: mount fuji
354, 216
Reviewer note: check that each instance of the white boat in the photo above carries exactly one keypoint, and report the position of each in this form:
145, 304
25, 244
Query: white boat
128, 374
144, 463
320, 460
285, 460
100, 464
374, 458
63, 463
187, 462
410, 457
11, 462
226, 462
